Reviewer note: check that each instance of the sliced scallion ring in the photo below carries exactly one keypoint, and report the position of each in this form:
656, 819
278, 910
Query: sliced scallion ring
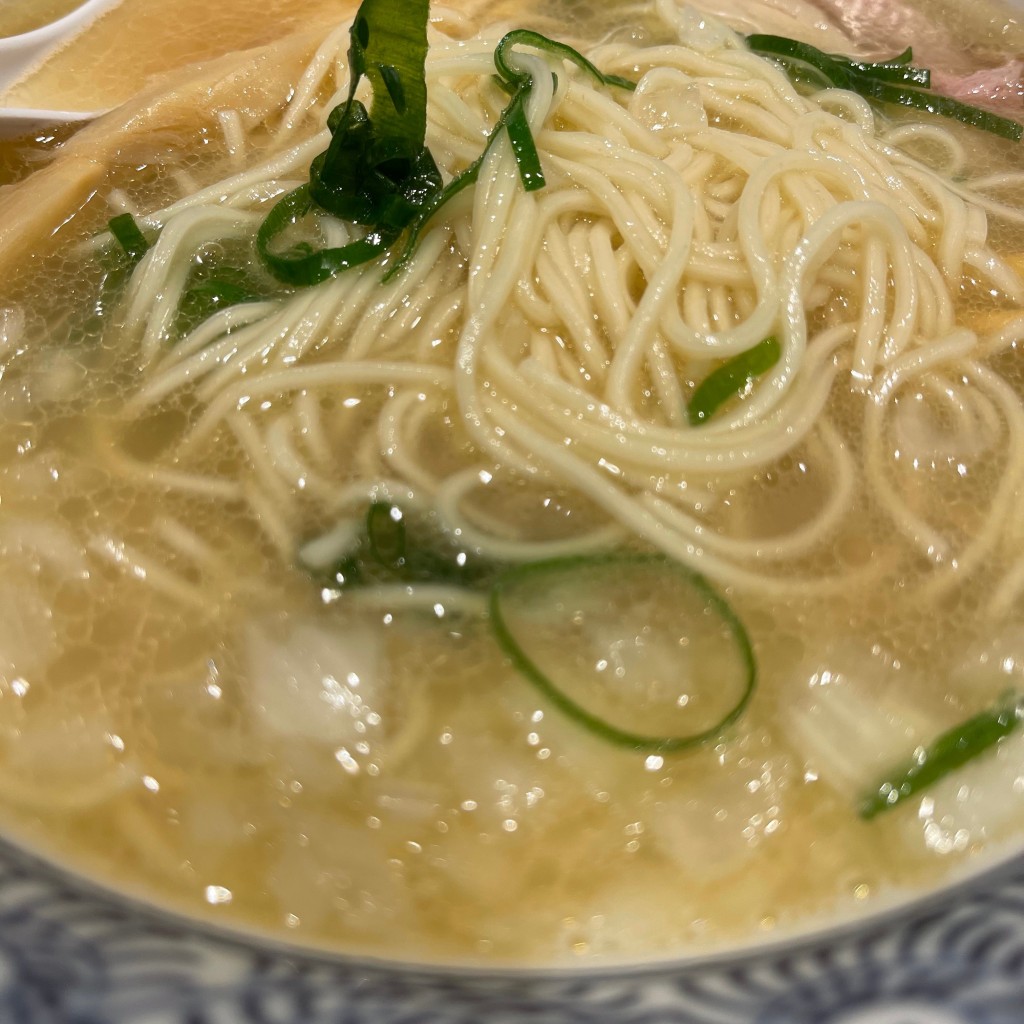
636, 648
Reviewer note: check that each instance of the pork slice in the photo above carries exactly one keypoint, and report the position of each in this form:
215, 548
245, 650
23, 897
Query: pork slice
968, 69
979, 63
1000, 88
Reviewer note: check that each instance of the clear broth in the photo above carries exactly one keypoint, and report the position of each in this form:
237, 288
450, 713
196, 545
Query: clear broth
463, 841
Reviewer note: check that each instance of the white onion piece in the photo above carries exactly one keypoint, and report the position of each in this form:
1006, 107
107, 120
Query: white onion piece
984, 797
68, 762
713, 827
27, 638
316, 681
977, 802
850, 722
44, 543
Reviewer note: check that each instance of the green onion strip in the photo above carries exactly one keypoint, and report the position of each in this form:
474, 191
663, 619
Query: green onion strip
513, 119
892, 81
947, 753
731, 379
302, 264
526, 37
376, 170
463, 180
129, 236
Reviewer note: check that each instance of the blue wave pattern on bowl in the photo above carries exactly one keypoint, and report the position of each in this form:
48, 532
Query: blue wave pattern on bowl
67, 957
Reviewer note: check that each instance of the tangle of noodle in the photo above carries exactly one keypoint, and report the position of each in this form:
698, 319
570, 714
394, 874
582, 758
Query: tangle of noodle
681, 224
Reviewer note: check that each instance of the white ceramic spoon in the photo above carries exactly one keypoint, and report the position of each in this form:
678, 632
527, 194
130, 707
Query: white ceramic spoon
20, 53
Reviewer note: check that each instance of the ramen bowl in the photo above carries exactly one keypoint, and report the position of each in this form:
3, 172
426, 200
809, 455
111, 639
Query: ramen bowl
72, 954
494, 517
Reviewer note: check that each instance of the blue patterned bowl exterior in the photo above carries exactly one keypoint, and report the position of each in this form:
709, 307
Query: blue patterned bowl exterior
72, 957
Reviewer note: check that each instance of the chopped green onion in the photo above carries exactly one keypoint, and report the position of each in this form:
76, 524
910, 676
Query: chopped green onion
376, 171
129, 236
523, 147
838, 70
397, 547
117, 266
385, 531
204, 296
302, 264
637, 649
526, 37
892, 81
215, 293
896, 69
950, 751
450, 191
376, 168
836, 73
944, 106
731, 379
518, 85
460, 182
